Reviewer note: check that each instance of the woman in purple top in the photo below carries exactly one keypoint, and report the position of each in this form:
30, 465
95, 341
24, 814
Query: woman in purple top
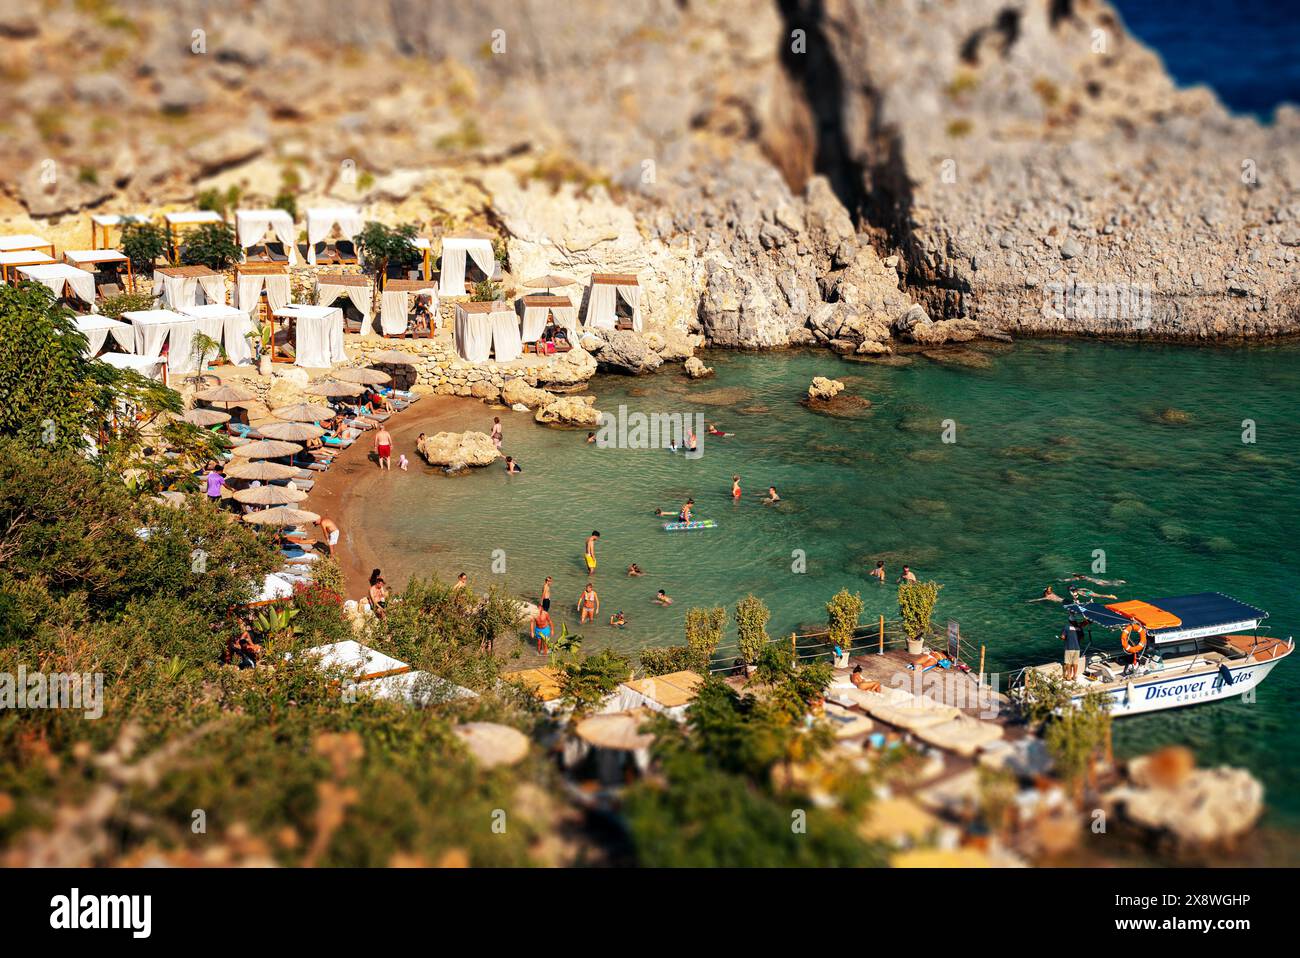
215, 481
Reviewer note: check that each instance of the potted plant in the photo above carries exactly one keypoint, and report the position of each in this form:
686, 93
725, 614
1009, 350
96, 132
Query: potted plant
751, 629
842, 614
916, 602
260, 338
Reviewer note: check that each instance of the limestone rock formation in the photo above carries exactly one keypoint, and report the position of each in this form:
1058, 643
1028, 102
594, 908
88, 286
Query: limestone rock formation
458, 450
628, 352
1196, 807
517, 392
824, 389
573, 411
696, 369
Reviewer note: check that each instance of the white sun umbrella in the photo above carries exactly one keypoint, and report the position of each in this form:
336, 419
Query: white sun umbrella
260, 469
269, 495
368, 377
290, 431
391, 357
281, 516
303, 412
266, 449
333, 388
206, 417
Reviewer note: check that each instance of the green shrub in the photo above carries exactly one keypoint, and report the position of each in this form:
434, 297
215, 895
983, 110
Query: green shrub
143, 243
585, 682
212, 245
115, 306
704, 628
665, 659
916, 601
843, 612
751, 628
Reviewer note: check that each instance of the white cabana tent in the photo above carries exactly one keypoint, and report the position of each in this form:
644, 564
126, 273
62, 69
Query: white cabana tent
321, 222
396, 303
669, 695
176, 223
537, 307
384, 677
318, 334
155, 328
9, 262
606, 291
62, 278
176, 287
251, 227
102, 224
455, 251
251, 281
330, 287
105, 261
17, 242
97, 329
151, 367
231, 327
484, 329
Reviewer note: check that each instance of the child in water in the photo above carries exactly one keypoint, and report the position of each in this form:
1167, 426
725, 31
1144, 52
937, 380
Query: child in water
618, 620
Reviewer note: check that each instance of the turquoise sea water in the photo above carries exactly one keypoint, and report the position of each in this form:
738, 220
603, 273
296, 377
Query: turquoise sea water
1060, 450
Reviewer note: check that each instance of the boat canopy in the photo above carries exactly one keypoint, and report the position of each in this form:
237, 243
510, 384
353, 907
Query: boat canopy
1174, 618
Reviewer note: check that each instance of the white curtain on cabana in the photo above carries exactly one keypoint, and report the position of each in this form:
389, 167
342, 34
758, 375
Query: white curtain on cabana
567, 317
228, 326
158, 326
395, 308
175, 292
54, 275
318, 335
321, 222
534, 322
213, 288
362, 298
148, 366
506, 344
96, 329
251, 285
451, 278
251, 226
473, 335
602, 305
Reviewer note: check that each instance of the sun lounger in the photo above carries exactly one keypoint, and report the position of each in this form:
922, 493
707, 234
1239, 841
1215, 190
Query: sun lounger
963, 735
238, 429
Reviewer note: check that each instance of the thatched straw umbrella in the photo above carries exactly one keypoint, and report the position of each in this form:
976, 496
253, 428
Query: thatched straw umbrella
224, 394
281, 516
548, 282
265, 449
290, 431
303, 412
367, 377
260, 469
492, 744
206, 417
391, 357
333, 388
269, 495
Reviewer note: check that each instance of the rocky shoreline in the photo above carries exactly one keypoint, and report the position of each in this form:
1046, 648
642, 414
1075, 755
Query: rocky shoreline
863, 174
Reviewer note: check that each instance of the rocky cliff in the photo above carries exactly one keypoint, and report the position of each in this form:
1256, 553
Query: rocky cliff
849, 172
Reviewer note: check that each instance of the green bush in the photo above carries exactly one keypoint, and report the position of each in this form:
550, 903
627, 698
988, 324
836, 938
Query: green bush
665, 659
751, 628
916, 601
115, 306
704, 629
586, 681
384, 246
212, 245
143, 243
843, 612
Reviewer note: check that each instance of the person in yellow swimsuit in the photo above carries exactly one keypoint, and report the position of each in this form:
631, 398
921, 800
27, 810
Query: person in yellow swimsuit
589, 553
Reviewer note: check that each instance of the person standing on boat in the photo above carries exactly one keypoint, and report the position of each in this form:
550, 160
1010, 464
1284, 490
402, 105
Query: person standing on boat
1071, 635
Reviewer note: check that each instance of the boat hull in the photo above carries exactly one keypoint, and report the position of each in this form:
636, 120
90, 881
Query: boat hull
1154, 693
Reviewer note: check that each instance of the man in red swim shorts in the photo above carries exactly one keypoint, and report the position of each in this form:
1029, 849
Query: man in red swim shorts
384, 448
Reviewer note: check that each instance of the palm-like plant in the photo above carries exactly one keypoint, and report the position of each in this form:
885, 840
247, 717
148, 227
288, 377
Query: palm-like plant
205, 348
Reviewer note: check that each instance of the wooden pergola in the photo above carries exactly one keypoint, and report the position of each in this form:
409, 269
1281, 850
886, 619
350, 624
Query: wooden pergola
102, 225
11, 261
349, 280
409, 286
92, 260
176, 221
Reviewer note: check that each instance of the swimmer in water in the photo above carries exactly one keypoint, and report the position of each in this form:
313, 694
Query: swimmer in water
1048, 596
713, 430
663, 598
591, 438
634, 569
735, 488
618, 619
878, 573
771, 495
691, 442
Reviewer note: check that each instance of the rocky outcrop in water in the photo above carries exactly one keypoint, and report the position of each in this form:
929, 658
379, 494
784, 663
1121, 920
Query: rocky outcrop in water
458, 450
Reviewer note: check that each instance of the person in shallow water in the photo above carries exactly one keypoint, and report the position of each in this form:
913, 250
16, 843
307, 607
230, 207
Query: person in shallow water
512, 467
663, 598
542, 630
589, 551
588, 605
908, 575
1049, 595
546, 594
634, 569
878, 573
496, 431
618, 619
771, 495
685, 514
384, 448
591, 438
713, 430
735, 488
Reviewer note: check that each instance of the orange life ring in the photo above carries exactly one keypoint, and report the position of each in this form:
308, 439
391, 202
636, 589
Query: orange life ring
1134, 647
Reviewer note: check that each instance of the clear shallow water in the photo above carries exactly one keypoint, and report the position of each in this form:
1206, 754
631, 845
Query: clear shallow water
1060, 450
